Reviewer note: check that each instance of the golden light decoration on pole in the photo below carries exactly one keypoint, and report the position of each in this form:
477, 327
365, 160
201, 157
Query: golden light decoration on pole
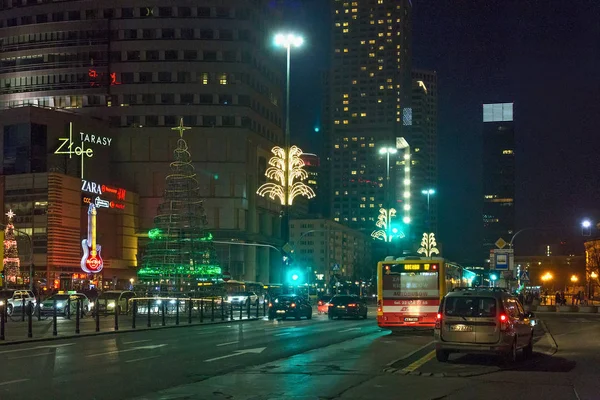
574, 278
384, 222
547, 277
282, 166
594, 275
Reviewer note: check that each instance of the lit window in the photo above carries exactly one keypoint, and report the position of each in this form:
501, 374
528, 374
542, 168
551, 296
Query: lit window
380, 34
381, 47
345, 30
353, 172
362, 206
354, 114
379, 100
380, 67
345, 102
381, 2
362, 42
345, 24
337, 50
363, 68
381, 87
223, 79
345, 50
204, 78
336, 122
380, 21
354, 82
372, 198
371, 144
372, 41
337, 146
371, 205
354, 139
345, 95
345, 108
345, 122
507, 152
372, 55
337, 24
363, 114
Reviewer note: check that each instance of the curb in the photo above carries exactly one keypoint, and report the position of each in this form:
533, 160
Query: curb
90, 334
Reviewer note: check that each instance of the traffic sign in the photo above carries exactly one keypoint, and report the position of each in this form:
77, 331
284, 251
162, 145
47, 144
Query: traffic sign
287, 248
502, 259
500, 243
226, 276
524, 276
336, 267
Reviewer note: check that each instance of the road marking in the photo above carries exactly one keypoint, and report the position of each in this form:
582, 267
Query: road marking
257, 350
283, 334
31, 355
350, 329
152, 347
138, 341
54, 346
419, 363
141, 359
412, 353
11, 382
228, 343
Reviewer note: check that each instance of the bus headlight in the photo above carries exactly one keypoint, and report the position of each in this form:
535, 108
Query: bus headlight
111, 304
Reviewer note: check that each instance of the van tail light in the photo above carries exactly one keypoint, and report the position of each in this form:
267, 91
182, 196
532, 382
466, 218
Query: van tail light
352, 305
293, 305
270, 305
503, 322
438, 321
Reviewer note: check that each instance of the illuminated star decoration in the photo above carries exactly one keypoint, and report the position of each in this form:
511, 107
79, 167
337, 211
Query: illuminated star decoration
181, 128
428, 245
384, 221
277, 172
10, 214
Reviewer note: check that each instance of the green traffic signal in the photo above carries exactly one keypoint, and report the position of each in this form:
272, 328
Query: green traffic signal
294, 278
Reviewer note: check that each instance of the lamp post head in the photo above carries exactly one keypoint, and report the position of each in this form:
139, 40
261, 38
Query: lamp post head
428, 191
288, 40
586, 223
388, 150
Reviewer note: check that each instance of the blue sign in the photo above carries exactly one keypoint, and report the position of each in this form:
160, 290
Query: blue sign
502, 261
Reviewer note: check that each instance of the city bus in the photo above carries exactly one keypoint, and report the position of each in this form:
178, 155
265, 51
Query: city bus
409, 290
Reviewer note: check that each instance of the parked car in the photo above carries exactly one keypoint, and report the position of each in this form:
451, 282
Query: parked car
13, 299
482, 320
288, 306
66, 304
347, 306
112, 300
244, 298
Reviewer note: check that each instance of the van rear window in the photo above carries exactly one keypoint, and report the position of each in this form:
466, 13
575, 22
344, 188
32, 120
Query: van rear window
471, 306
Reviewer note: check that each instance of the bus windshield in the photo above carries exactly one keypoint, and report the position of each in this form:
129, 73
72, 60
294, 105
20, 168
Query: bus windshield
410, 285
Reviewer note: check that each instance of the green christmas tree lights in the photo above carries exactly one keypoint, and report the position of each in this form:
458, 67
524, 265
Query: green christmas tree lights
180, 251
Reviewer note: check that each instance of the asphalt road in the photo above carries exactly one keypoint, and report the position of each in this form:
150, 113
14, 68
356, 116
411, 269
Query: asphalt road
299, 360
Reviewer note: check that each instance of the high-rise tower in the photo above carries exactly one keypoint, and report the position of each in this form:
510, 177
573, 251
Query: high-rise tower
367, 91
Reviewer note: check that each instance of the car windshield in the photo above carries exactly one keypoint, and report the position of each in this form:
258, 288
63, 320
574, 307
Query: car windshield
240, 294
471, 306
110, 295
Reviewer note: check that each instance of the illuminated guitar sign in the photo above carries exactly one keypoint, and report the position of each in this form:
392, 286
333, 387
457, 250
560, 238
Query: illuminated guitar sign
91, 262
67, 146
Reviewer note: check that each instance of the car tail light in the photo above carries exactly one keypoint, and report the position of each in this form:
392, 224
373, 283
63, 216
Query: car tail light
352, 305
379, 308
438, 321
293, 305
329, 305
503, 322
270, 304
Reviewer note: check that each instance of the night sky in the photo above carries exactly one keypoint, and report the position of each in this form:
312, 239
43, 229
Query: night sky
542, 55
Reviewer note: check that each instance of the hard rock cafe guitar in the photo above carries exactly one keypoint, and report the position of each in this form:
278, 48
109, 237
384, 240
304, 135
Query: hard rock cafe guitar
91, 262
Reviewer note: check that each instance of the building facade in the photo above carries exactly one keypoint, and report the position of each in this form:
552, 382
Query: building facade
423, 137
498, 173
367, 91
54, 165
145, 65
329, 249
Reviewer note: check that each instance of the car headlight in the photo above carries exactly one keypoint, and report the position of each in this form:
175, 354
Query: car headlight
1, 303
91, 304
59, 304
172, 301
111, 304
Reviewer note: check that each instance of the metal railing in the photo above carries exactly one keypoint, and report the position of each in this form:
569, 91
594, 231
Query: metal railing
29, 319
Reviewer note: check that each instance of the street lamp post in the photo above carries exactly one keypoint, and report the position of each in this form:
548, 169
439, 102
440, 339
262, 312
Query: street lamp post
428, 193
388, 151
287, 41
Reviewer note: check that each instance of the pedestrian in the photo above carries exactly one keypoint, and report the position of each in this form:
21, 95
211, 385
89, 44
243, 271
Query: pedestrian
557, 299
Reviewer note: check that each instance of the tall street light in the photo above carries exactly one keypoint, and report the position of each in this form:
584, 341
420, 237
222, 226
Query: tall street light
286, 167
586, 226
428, 193
388, 151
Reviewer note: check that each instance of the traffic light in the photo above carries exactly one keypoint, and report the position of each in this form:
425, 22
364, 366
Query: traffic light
295, 278
493, 277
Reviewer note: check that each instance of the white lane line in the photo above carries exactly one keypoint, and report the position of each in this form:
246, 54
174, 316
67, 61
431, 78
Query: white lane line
350, 329
283, 334
138, 341
31, 355
141, 359
54, 346
228, 343
11, 382
128, 350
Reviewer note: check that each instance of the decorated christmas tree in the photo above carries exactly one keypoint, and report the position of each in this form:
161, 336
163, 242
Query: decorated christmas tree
11, 254
180, 251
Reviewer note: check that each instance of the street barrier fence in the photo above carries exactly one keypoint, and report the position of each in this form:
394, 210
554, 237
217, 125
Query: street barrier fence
30, 319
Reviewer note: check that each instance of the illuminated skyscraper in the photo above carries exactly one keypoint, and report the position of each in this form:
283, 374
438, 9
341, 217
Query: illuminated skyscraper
143, 67
498, 173
423, 140
368, 89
